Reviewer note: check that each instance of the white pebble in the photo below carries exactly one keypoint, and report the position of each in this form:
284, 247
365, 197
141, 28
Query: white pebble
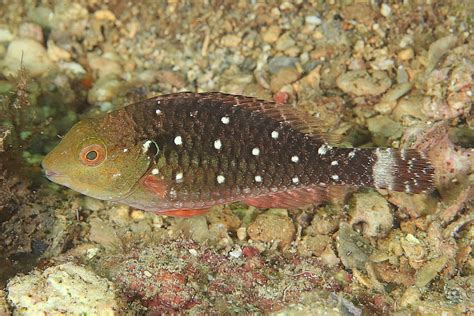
385, 10
178, 140
217, 144
225, 120
313, 19
255, 151
220, 179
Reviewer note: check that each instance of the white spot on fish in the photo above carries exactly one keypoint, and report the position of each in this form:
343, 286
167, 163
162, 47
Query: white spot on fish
193, 114
158, 112
334, 163
125, 150
335, 177
158, 102
295, 159
217, 144
225, 120
154, 171
220, 179
258, 179
179, 177
178, 140
255, 151
116, 175
275, 134
324, 149
295, 180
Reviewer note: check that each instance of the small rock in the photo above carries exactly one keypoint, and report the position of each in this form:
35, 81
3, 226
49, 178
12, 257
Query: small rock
272, 34
285, 42
438, 49
104, 66
383, 128
277, 63
411, 297
28, 52
31, 30
373, 212
429, 271
329, 258
93, 204
352, 248
224, 216
63, 289
5, 35
104, 15
272, 227
313, 245
242, 233
137, 215
362, 82
313, 19
385, 10
104, 90
72, 68
283, 77
413, 249
406, 54
56, 53
231, 40
104, 234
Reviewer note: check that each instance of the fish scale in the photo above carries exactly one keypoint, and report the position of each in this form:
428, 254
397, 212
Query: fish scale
197, 150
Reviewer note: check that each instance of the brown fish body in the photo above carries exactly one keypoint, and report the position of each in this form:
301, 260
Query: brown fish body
213, 148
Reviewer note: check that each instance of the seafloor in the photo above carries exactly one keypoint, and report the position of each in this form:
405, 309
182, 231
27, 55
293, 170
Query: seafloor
394, 75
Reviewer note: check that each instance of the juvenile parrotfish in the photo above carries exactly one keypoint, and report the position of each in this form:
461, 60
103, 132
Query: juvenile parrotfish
181, 153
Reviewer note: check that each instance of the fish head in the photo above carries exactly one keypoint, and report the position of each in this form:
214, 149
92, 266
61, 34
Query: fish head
98, 161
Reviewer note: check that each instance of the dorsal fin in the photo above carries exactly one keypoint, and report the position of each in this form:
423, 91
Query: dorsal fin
283, 113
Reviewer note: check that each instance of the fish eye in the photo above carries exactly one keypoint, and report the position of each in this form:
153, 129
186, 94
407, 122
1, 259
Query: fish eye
92, 155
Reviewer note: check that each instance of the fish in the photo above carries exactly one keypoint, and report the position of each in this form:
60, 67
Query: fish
180, 154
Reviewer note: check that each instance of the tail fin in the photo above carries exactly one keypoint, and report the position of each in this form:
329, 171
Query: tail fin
404, 170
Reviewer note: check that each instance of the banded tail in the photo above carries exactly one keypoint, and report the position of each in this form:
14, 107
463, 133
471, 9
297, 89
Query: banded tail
402, 170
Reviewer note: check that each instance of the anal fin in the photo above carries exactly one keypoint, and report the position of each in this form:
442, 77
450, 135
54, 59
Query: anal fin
297, 197
183, 213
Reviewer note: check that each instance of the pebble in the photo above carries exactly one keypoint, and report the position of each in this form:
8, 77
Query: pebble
313, 245
411, 297
373, 212
362, 82
271, 228
352, 248
224, 216
104, 65
231, 40
28, 52
93, 204
438, 49
285, 42
283, 77
104, 15
242, 233
63, 289
406, 54
103, 90
104, 234
430, 270
5, 35
31, 30
384, 128
313, 19
57, 53
272, 34
277, 63
385, 10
